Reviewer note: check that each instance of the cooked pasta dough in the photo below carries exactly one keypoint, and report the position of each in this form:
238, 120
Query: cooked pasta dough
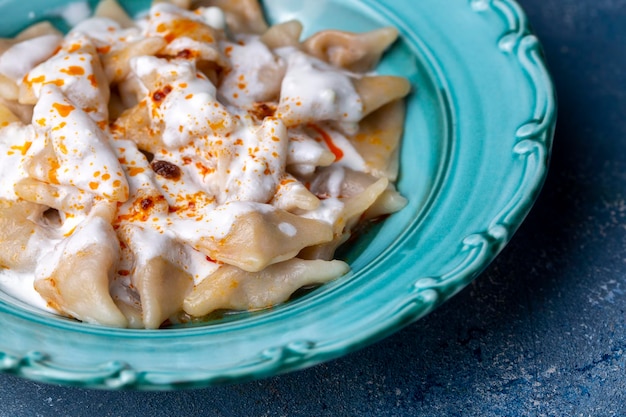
195, 159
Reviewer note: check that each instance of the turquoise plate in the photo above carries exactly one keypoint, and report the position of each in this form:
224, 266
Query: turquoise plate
475, 153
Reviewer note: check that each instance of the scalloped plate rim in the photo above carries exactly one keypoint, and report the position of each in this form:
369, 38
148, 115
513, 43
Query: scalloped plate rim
479, 249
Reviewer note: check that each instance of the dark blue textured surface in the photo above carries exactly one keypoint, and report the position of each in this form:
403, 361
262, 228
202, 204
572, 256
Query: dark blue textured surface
541, 333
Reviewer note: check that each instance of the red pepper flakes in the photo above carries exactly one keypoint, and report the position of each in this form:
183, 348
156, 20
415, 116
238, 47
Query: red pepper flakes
160, 95
146, 203
63, 109
73, 70
329, 141
103, 49
262, 110
186, 54
166, 170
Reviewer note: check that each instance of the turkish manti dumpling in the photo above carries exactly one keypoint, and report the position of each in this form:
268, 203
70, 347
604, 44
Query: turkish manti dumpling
194, 160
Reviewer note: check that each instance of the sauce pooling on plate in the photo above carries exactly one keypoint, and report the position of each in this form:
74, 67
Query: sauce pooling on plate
155, 170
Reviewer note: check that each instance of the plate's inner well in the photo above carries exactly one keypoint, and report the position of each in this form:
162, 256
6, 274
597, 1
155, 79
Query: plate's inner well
423, 155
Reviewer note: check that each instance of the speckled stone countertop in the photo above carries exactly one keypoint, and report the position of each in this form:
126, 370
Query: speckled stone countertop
542, 332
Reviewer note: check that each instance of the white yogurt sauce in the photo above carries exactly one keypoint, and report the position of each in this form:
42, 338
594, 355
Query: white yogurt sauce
255, 74
16, 146
22, 57
227, 162
19, 285
73, 13
85, 157
313, 90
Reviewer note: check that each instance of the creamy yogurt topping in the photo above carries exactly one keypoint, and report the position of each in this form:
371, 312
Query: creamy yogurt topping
22, 57
213, 128
16, 147
314, 90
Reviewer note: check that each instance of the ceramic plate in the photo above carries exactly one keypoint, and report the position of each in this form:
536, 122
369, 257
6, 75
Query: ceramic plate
478, 137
